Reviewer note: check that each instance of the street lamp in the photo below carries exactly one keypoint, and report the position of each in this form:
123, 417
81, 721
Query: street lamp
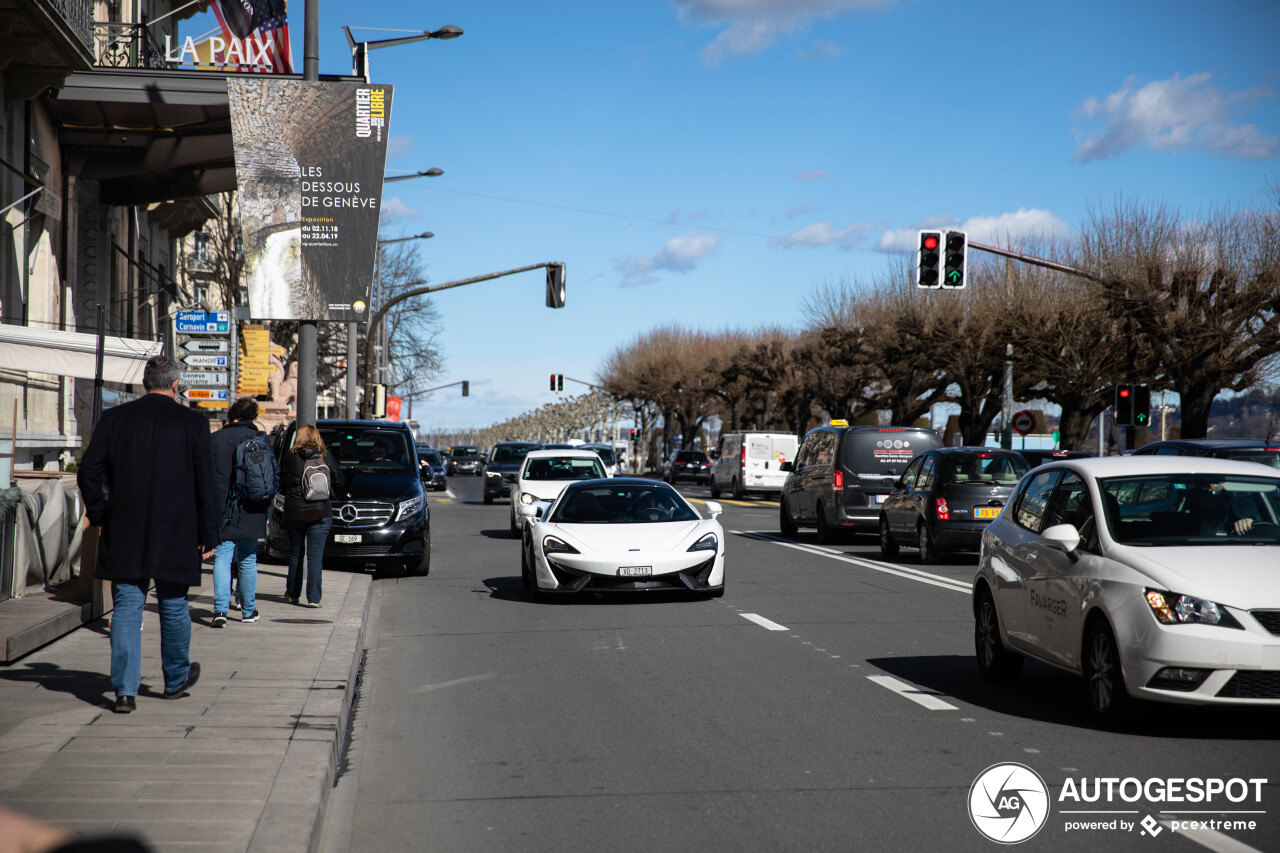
430, 173
360, 49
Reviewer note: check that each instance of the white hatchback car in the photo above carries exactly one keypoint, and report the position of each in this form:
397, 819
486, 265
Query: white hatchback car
1153, 577
545, 473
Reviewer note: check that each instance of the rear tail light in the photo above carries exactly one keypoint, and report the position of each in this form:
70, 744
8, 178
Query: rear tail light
837, 481
742, 460
944, 513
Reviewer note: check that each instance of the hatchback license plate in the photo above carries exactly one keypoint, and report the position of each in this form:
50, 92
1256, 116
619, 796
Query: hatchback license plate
987, 511
347, 538
635, 571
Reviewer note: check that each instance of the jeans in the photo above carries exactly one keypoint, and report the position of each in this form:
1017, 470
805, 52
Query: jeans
245, 551
126, 634
306, 536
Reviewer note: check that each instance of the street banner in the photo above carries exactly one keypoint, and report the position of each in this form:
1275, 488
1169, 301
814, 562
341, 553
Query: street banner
393, 408
309, 163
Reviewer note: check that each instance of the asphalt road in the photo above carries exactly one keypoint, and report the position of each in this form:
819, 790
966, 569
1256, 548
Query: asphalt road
828, 701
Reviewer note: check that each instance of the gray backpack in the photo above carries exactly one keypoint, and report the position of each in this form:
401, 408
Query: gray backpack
315, 479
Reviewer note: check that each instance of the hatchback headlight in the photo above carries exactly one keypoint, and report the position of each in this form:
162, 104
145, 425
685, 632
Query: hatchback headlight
706, 543
552, 545
409, 507
526, 498
1171, 608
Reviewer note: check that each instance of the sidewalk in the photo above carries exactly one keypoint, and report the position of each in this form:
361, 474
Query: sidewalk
245, 763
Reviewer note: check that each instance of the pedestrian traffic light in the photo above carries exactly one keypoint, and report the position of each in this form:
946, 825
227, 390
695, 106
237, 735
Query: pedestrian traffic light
466, 388
927, 258
1124, 405
955, 270
1141, 405
555, 285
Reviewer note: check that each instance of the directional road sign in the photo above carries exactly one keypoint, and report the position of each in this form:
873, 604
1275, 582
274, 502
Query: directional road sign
207, 394
198, 378
208, 361
203, 345
204, 322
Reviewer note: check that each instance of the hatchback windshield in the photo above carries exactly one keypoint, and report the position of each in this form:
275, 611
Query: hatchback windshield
984, 469
563, 468
512, 452
370, 448
1270, 458
464, 450
692, 456
431, 457
1192, 509
647, 504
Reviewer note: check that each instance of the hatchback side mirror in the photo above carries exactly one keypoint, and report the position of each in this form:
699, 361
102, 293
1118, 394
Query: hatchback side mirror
1062, 537
786, 466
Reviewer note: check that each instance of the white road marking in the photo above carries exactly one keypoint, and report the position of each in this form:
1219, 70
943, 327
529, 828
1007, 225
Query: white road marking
428, 687
887, 568
763, 622
915, 694
1212, 839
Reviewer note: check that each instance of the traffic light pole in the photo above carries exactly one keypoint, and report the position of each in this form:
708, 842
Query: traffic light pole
413, 394
375, 321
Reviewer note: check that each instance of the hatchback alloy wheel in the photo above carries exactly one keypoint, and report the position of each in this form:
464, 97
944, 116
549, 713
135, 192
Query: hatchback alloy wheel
888, 548
1104, 680
996, 663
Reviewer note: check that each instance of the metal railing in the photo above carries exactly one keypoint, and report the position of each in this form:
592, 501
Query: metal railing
120, 45
79, 17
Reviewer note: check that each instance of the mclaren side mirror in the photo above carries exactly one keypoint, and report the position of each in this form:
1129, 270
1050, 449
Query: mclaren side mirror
714, 509
787, 466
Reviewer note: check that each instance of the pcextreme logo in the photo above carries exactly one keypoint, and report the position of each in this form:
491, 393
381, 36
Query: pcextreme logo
1008, 803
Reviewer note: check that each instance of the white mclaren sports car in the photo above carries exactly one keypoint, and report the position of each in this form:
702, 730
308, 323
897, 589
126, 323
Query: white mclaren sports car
621, 534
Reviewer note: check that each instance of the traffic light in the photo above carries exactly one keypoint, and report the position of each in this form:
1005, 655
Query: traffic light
1124, 405
559, 381
927, 259
955, 267
379, 401
1141, 405
633, 435
466, 388
553, 382
555, 285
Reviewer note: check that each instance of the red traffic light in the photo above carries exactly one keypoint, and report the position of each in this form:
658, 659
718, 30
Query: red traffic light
931, 242
1124, 392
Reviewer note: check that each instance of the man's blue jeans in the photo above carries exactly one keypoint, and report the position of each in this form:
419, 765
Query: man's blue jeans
126, 634
246, 552
308, 536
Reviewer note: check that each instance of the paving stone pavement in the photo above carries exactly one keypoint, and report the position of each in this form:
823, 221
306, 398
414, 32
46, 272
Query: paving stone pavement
245, 763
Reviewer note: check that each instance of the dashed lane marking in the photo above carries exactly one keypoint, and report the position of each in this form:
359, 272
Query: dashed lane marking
910, 691
763, 622
887, 568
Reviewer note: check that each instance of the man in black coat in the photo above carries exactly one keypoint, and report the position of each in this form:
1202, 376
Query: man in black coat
243, 522
147, 479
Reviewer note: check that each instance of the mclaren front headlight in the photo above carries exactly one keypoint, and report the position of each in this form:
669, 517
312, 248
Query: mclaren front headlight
706, 543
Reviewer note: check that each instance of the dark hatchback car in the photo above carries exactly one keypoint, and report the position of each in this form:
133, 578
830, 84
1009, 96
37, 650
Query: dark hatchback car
465, 459
437, 479
503, 467
842, 474
687, 465
1241, 449
946, 499
380, 517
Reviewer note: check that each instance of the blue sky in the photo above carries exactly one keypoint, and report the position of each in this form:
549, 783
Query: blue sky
711, 162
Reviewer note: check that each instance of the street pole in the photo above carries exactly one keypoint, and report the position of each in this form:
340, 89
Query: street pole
1006, 398
308, 330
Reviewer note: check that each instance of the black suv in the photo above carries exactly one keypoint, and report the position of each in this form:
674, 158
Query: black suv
380, 517
503, 466
1243, 449
842, 474
946, 499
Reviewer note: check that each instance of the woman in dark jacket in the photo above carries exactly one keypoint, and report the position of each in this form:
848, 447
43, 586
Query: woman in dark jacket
307, 515
243, 522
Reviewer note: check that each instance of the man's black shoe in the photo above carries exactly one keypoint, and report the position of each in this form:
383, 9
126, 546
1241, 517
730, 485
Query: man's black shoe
193, 675
125, 704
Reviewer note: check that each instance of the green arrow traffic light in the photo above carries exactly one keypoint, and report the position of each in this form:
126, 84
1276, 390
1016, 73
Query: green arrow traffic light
954, 276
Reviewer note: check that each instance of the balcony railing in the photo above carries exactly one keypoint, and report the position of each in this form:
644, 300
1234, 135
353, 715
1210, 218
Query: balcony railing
79, 17
122, 45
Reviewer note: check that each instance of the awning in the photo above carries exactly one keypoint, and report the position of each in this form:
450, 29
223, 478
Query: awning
74, 354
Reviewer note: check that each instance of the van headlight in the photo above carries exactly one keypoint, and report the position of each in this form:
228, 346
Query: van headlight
1171, 608
409, 507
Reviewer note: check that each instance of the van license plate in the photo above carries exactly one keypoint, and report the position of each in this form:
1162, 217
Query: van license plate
635, 571
881, 498
987, 511
347, 538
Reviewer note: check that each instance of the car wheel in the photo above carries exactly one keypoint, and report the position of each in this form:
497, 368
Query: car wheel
928, 551
786, 524
488, 498
1109, 701
826, 533
423, 567
715, 490
526, 573
997, 664
888, 548
737, 489
515, 526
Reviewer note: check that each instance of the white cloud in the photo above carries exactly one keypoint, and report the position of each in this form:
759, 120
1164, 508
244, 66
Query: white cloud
996, 230
822, 49
397, 147
395, 210
799, 210
1170, 115
751, 26
679, 254
813, 175
824, 234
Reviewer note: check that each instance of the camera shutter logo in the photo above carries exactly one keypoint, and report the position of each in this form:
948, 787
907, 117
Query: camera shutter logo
1008, 803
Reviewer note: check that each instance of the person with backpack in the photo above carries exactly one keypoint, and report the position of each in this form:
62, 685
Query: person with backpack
309, 477
247, 478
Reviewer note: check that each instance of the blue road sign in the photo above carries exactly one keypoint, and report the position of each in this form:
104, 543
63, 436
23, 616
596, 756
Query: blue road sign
204, 322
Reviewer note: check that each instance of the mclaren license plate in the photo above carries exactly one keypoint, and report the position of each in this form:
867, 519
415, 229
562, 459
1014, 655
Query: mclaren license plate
635, 571
987, 511
347, 538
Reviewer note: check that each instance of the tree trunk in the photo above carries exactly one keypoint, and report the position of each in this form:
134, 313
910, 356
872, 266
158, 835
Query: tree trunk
1196, 402
1073, 426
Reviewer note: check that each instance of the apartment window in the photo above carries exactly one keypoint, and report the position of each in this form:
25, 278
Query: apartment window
201, 251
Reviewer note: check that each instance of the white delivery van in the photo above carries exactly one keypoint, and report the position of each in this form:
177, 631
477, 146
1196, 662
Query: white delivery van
748, 462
